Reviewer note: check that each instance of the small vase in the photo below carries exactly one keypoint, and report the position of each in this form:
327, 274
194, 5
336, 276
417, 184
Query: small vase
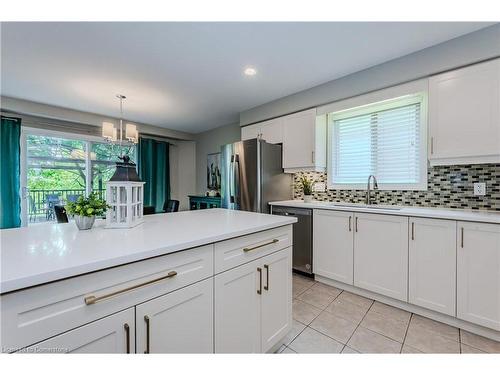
84, 222
308, 198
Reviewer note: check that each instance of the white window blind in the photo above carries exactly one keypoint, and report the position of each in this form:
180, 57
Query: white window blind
384, 140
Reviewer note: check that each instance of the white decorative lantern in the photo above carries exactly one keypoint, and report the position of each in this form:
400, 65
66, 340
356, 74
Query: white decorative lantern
124, 193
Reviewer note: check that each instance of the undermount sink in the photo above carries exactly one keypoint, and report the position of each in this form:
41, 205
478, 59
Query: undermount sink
365, 206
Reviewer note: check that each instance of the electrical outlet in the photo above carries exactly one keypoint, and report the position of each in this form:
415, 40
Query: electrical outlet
479, 188
319, 187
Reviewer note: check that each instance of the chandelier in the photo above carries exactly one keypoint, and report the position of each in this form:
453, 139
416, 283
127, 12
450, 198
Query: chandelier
110, 133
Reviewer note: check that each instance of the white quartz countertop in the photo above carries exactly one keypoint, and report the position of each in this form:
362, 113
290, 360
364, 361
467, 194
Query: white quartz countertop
43, 253
429, 212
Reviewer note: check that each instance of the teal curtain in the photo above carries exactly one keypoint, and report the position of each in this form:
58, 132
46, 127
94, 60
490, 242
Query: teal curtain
154, 169
10, 200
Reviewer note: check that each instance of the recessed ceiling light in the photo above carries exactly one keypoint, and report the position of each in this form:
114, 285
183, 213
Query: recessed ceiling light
250, 71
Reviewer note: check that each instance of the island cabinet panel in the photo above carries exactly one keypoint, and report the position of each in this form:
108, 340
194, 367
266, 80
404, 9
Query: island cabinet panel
432, 264
179, 322
276, 298
478, 274
240, 250
333, 242
237, 310
113, 334
253, 304
381, 254
34, 314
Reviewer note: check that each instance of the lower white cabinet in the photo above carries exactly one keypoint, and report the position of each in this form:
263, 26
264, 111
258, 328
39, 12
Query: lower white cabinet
276, 312
253, 301
333, 238
178, 322
432, 264
478, 273
381, 254
113, 334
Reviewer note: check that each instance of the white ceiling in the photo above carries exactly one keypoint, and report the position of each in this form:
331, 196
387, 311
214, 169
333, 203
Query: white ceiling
188, 76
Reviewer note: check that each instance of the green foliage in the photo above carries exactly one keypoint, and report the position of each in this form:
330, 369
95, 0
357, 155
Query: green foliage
306, 185
91, 206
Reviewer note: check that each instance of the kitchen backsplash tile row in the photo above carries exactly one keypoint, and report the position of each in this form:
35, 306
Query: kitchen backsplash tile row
448, 187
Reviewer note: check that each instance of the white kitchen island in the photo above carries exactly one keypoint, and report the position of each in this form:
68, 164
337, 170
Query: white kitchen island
189, 282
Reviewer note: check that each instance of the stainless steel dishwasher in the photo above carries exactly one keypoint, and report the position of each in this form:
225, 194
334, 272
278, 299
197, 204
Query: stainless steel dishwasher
302, 236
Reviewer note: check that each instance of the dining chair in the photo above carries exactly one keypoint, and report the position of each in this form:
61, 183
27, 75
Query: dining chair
171, 205
61, 215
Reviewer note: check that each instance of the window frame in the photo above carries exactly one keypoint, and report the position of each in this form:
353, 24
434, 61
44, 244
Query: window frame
418, 97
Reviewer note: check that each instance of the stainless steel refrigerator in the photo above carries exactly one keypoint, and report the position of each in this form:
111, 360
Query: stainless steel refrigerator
252, 176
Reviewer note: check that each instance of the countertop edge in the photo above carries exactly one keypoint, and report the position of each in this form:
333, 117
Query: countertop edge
10, 286
422, 212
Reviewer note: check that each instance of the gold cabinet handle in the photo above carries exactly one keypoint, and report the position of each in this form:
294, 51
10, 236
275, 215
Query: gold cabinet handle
350, 226
266, 287
259, 270
127, 336
146, 319
247, 249
413, 231
90, 300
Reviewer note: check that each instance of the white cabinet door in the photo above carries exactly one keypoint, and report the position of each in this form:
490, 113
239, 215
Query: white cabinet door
464, 114
432, 259
178, 322
272, 130
276, 308
113, 334
237, 309
381, 254
478, 274
299, 143
250, 132
333, 238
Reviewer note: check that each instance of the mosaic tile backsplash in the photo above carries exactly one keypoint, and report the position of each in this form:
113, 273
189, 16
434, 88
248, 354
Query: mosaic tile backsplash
448, 187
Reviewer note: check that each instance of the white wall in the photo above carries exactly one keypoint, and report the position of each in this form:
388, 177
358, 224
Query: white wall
209, 142
183, 172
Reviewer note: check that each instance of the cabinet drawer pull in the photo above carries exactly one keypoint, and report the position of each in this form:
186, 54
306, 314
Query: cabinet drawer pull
350, 226
356, 224
247, 249
259, 270
146, 319
266, 287
413, 231
462, 237
127, 336
90, 300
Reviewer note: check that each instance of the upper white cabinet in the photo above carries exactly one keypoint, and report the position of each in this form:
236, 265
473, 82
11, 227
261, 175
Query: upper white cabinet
478, 274
304, 142
432, 264
303, 136
381, 254
271, 131
464, 115
333, 238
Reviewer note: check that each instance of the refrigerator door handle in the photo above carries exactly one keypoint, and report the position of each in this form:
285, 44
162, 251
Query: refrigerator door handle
235, 179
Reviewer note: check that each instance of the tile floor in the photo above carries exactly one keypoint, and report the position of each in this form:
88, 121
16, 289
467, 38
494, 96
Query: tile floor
330, 320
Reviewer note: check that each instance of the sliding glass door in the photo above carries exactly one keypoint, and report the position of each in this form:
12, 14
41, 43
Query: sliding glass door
58, 168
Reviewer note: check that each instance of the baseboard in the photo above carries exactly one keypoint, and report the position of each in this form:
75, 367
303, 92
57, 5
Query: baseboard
450, 320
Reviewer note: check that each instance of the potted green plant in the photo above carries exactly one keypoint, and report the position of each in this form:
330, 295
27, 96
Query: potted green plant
307, 188
86, 209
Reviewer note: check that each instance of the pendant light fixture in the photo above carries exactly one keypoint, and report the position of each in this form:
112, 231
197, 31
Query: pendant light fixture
110, 133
